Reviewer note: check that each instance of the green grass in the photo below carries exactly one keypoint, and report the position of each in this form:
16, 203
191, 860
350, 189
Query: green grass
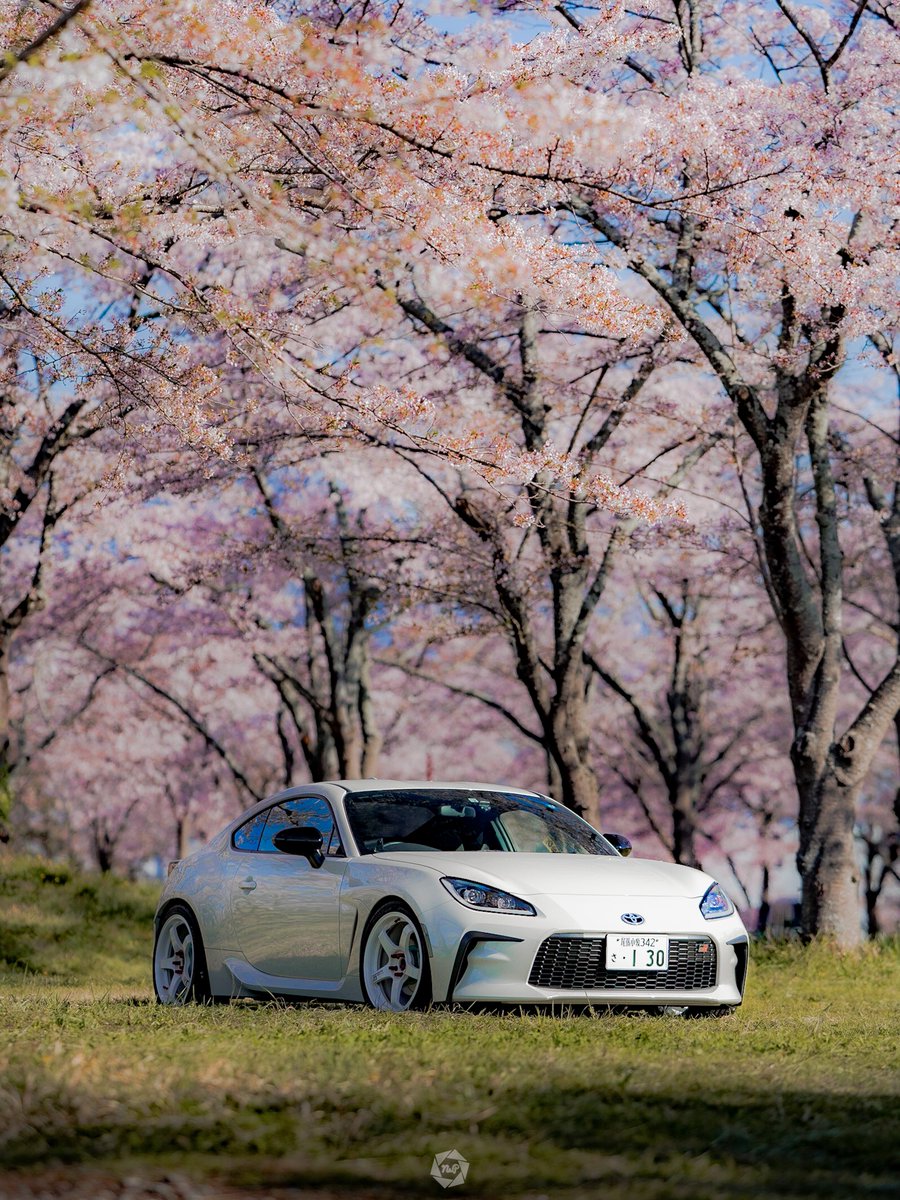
796, 1096
60, 927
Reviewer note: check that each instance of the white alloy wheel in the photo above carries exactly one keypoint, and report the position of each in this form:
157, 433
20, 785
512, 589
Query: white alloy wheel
395, 971
174, 961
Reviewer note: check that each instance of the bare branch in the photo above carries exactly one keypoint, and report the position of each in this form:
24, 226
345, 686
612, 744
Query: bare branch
468, 693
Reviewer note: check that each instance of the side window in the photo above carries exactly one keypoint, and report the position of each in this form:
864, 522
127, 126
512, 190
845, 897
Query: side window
247, 836
306, 810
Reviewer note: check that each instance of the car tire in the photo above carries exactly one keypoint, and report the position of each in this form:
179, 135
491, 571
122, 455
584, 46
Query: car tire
394, 971
180, 974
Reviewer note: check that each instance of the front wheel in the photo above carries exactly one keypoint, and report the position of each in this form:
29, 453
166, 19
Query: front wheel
179, 962
394, 969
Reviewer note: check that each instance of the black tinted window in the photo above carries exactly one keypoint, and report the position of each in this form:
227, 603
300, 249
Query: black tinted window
248, 835
446, 819
306, 810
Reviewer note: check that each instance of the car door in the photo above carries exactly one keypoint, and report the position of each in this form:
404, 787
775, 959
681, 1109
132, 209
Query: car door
286, 912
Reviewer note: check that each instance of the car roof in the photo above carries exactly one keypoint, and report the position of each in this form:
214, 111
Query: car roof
398, 785
333, 788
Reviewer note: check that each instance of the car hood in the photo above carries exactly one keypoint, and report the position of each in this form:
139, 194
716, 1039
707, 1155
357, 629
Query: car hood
563, 874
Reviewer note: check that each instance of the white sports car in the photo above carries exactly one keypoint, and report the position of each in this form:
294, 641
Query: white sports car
399, 894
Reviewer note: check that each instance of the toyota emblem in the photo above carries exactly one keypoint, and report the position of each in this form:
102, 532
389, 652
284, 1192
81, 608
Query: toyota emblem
632, 918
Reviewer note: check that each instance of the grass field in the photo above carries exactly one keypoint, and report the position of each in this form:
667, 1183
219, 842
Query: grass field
102, 1092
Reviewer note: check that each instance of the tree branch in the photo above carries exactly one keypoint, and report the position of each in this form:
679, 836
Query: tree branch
468, 693
209, 739
14, 57
749, 407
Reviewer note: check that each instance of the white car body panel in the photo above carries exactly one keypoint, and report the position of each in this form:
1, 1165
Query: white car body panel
530, 874
298, 931
283, 910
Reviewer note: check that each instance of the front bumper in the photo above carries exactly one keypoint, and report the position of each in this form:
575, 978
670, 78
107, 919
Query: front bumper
488, 958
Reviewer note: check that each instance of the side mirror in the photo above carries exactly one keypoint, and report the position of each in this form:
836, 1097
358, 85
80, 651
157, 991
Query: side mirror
303, 840
616, 840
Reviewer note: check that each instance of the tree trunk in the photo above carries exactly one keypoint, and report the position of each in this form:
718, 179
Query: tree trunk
182, 837
322, 758
104, 846
684, 700
808, 603
683, 801
5, 745
882, 850
765, 906
872, 923
368, 722
569, 749
827, 858
554, 776
350, 743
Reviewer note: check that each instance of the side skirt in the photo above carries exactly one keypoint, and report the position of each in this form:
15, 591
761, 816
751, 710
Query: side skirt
259, 983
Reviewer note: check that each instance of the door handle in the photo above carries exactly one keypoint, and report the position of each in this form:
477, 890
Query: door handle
247, 885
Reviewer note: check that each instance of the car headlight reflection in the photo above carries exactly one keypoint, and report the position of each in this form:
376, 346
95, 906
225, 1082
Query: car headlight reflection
715, 903
487, 899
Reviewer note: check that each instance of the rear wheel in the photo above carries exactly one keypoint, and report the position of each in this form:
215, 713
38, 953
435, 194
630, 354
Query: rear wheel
393, 966
179, 961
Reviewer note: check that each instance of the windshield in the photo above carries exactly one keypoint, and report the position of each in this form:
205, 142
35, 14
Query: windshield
448, 820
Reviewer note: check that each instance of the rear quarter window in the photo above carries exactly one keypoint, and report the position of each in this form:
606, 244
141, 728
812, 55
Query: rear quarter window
246, 836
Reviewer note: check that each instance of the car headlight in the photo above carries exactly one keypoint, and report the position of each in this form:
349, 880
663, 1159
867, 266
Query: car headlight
487, 899
715, 903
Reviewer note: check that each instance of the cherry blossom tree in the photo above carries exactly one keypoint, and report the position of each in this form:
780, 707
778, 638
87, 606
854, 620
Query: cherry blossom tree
694, 685
536, 560
41, 423
124, 778
878, 838
775, 329
747, 243
234, 614
289, 190
303, 155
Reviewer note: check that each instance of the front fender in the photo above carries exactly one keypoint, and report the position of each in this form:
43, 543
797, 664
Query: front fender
368, 883
451, 930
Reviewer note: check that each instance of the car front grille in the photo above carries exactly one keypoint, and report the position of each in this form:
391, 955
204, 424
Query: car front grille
576, 963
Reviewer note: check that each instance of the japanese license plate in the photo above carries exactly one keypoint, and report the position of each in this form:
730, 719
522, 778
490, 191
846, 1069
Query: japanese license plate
637, 952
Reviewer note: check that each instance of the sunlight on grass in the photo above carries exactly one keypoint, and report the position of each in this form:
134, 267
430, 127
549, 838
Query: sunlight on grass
794, 1096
